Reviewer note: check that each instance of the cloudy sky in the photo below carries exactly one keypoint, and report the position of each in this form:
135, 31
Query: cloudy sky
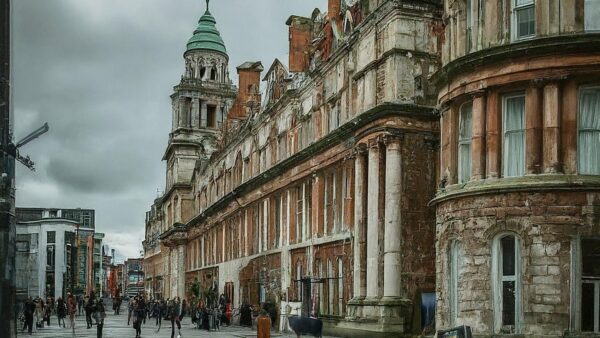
100, 72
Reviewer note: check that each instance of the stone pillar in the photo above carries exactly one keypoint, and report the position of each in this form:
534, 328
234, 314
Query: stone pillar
568, 130
533, 130
360, 167
551, 135
478, 138
493, 135
373, 244
392, 268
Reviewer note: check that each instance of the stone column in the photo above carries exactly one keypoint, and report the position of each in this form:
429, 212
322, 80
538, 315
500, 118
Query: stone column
392, 232
551, 134
360, 286
203, 112
373, 245
493, 135
533, 130
478, 138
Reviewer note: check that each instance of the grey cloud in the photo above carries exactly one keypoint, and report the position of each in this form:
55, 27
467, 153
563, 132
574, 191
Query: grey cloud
101, 72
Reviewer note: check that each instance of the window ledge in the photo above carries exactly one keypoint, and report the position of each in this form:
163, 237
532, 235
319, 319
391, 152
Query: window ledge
528, 183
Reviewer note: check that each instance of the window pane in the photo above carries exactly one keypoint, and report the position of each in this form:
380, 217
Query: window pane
587, 307
526, 22
523, 2
590, 251
508, 303
589, 132
465, 123
508, 255
592, 15
464, 154
514, 136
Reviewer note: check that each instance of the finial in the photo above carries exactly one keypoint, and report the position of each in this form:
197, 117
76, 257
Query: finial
207, 1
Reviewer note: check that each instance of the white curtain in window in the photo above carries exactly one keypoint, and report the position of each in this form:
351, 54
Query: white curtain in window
514, 136
589, 132
464, 143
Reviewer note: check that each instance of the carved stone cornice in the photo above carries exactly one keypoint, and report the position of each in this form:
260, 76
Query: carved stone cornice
175, 236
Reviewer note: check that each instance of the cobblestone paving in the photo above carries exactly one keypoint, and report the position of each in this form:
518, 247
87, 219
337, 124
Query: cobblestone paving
116, 327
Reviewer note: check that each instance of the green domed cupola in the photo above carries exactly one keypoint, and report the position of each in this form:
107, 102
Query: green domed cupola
206, 36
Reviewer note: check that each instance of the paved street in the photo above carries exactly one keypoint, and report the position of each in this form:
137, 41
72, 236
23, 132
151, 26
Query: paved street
116, 327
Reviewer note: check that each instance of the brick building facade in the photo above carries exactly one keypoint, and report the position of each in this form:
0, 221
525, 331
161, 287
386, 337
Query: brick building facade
518, 224
320, 194
312, 195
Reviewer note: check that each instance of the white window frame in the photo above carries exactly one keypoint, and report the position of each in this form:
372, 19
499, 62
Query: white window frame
577, 281
465, 141
579, 129
514, 22
498, 279
504, 132
340, 286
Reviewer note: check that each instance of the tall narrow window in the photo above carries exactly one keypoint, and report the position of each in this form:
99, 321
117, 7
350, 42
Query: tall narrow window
592, 15
590, 285
514, 135
298, 281
465, 123
330, 284
589, 131
454, 261
524, 18
469, 31
340, 287
299, 212
507, 290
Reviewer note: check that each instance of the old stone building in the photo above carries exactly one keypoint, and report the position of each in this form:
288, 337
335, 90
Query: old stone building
311, 195
518, 210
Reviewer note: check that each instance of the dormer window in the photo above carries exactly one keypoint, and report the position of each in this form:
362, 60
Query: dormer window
523, 19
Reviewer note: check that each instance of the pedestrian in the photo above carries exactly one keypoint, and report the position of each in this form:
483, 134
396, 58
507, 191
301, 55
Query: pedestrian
29, 309
174, 316
61, 311
137, 314
88, 311
100, 314
38, 313
129, 309
71, 310
48, 311
80, 304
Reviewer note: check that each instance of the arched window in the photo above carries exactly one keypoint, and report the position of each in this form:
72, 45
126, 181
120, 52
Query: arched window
464, 142
506, 277
213, 73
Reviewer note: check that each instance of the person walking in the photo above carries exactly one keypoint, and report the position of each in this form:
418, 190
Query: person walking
174, 316
137, 314
71, 310
61, 311
28, 310
100, 314
80, 304
89, 304
130, 309
48, 311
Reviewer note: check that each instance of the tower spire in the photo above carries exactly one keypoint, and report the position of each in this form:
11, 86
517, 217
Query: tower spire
207, 1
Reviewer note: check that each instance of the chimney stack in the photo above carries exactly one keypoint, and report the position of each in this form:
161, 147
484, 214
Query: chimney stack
248, 90
300, 37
